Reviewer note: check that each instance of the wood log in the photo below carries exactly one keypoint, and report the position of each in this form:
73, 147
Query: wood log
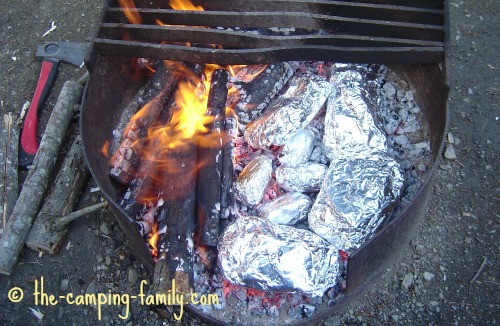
34, 187
227, 196
208, 195
125, 161
59, 201
9, 139
256, 92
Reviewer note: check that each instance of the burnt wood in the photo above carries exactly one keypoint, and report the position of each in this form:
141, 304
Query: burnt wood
126, 160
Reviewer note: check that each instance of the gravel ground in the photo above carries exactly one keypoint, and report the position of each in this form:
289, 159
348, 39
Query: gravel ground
430, 285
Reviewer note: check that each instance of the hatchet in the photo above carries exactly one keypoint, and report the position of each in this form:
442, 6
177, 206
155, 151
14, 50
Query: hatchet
51, 54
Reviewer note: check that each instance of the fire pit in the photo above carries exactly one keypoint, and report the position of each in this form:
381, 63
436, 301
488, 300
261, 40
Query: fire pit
112, 85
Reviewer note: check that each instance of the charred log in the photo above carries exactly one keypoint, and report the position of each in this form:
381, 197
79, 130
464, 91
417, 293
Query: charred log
208, 196
255, 92
227, 195
126, 160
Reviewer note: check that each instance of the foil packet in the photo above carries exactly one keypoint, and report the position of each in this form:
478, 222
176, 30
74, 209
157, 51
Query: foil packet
349, 124
253, 180
258, 254
288, 209
289, 113
356, 195
298, 150
301, 178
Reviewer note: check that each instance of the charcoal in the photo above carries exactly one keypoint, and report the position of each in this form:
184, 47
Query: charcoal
255, 94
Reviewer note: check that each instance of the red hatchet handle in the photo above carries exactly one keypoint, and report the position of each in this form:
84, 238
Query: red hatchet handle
29, 141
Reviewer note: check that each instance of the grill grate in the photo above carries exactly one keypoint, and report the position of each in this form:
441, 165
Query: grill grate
362, 31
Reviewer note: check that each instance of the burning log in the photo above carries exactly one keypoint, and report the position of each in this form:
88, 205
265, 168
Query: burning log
176, 246
255, 94
9, 139
125, 161
59, 202
210, 175
30, 198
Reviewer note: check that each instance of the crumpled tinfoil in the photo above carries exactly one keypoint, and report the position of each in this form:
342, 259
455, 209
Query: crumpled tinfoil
256, 253
349, 125
301, 178
289, 113
288, 209
298, 150
356, 194
253, 180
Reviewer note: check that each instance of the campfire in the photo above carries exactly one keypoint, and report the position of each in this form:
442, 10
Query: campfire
259, 182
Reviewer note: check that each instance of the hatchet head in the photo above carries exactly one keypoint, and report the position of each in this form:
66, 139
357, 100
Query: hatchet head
69, 52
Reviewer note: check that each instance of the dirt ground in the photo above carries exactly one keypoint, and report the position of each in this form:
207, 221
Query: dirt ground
430, 285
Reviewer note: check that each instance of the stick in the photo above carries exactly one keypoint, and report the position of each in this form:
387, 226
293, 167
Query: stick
208, 195
9, 139
65, 220
474, 278
59, 201
31, 196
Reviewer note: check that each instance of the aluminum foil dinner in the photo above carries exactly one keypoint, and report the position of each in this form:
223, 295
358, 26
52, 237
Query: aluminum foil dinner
349, 125
253, 180
289, 113
301, 178
288, 209
298, 150
258, 254
356, 195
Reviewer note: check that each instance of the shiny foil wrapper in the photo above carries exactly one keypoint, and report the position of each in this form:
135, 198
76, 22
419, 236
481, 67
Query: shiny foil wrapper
289, 113
255, 253
349, 125
289, 209
301, 178
356, 194
253, 180
298, 150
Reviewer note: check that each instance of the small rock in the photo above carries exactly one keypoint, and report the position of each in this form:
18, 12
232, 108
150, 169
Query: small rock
451, 139
434, 303
428, 276
104, 228
395, 318
91, 289
407, 281
449, 152
468, 240
419, 248
64, 284
332, 321
133, 276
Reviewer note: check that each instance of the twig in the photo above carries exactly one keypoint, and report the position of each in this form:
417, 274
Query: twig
473, 279
65, 220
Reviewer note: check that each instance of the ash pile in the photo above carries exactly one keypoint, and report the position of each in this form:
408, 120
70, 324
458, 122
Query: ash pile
310, 160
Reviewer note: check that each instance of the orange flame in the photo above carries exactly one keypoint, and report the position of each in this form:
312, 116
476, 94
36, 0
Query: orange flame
184, 5
153, 240
105, 149
130, 11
